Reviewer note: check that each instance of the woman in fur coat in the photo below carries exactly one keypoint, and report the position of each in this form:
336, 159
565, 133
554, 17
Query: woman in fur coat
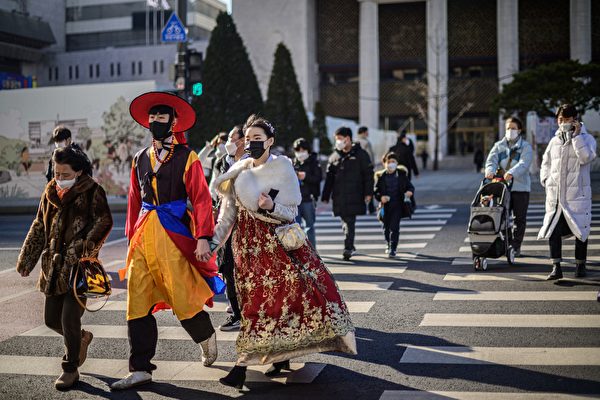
73, 220
291, 305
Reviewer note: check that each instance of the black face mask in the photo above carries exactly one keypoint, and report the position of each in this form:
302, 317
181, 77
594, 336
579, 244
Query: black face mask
256, 148
161, 130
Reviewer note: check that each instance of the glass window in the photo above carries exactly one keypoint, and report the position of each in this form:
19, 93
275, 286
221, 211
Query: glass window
154, 67
112, 69
118, 69
162, 66
97, 70
49, 73
91, 71
133, 68
70, 72
55, 73
139, 67
77, 72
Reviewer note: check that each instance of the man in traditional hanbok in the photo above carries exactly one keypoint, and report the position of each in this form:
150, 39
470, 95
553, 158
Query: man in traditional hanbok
169, 260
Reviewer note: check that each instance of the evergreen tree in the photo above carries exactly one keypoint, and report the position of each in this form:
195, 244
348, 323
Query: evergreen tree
230, 89
284, 107
320, 129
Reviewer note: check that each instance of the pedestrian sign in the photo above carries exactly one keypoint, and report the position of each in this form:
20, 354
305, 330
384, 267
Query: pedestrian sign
174, 31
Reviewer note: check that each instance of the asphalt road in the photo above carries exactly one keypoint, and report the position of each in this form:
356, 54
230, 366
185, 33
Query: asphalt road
427, 323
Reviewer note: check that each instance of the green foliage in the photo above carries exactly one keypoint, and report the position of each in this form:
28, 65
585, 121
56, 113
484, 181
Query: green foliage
230, 91
320, 129
118, 124
544, 88
284, 107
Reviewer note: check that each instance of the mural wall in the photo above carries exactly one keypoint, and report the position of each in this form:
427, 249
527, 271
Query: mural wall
98, 117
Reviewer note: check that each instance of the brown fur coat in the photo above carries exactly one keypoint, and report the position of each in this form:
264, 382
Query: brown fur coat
57, 232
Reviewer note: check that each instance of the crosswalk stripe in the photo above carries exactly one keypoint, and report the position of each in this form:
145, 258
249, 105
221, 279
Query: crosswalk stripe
359, 224
543, 205
379, 229
501, 355
377, 246
494, 277
367, 270
363, 286
358, 238
540, 247
512, 320
536, 230
419, 215
535, 239
166, 371
565, 295
444, 395
353, 306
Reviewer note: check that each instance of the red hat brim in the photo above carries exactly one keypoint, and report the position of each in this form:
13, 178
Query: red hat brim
141, 105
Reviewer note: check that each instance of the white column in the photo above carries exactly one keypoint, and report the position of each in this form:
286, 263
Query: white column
581, 30
507, 40
368, 90
437, 75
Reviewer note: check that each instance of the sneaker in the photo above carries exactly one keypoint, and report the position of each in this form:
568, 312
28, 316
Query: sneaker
66, 380
228, 309
86, 339
347, 254
392, 254
387, 249
132, 379
232, 324
209, 350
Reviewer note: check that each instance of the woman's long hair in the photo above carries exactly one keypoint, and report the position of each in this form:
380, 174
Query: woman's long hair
74, 157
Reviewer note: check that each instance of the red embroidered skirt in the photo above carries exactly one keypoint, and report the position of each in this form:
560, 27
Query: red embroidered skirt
290, 303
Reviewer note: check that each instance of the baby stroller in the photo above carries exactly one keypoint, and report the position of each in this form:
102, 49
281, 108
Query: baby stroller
490, 224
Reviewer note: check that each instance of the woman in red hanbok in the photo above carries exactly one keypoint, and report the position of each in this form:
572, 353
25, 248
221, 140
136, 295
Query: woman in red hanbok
291, 305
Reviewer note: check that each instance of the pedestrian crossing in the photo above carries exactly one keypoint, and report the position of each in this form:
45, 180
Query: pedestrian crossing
415, 233
535, 217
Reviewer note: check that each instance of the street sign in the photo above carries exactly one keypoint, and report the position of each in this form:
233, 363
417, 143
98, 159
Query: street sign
174, 31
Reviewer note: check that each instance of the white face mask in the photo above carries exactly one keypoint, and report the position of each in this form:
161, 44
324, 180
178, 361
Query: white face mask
301, 155
340, 144
566, 127
231, 148
512, 134
60, 145
392, 166
66, 184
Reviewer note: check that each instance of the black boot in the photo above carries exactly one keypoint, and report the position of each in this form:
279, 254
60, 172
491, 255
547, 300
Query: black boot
580, 271
556, 273
235, 378
277, 367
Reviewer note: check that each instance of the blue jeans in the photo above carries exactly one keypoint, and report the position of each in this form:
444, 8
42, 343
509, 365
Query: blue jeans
307, 212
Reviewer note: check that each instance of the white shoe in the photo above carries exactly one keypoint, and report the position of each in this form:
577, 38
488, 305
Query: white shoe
135, 378
229, 310
209, 350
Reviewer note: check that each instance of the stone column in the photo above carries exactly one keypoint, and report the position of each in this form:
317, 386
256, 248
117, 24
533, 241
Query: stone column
437, 75
581, 30
368, 91
507, 40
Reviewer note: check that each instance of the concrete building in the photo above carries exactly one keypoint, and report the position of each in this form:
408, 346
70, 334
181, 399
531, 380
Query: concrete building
97, 41
367, 60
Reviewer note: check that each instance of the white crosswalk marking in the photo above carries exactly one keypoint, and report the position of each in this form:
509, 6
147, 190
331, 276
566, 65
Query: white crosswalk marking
512, 320
501, 355
516, 296
445, 395
494, 277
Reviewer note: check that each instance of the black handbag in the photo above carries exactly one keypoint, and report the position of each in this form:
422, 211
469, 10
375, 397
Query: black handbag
89, 280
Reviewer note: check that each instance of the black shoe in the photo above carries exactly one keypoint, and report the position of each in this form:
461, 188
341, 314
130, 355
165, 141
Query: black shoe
232, 324
517, 251
555, 274
277, 367
347, 254
580, 271
235, 378
392, 254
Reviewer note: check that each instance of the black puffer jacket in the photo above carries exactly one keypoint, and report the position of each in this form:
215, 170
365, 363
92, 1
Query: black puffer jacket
310, 187
349, 179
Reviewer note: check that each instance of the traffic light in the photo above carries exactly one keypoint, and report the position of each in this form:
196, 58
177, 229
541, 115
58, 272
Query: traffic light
194, 71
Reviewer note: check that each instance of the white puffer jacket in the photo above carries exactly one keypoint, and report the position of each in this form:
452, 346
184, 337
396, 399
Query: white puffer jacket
565, 174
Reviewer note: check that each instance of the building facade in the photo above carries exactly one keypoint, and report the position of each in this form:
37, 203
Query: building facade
99, 41
440, 63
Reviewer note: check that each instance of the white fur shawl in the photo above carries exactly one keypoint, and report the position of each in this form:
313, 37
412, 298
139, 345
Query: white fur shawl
249, 182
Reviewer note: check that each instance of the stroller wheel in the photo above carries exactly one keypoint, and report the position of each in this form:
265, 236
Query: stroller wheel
484, 263
510, 255
477, 263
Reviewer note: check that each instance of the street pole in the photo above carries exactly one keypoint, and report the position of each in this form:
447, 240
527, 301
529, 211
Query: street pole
182, 49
